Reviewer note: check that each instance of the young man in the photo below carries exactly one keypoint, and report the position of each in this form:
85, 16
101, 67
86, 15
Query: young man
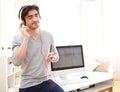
34, 49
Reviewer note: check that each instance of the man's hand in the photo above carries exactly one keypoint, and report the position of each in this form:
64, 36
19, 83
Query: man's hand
24, 30
51, 57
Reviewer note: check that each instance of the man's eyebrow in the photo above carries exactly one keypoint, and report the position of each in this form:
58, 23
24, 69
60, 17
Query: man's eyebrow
33, 14
29, 15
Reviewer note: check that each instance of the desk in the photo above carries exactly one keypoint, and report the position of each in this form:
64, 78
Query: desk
103, 81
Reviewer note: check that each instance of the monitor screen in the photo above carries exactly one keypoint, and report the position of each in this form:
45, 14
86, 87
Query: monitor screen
69, 57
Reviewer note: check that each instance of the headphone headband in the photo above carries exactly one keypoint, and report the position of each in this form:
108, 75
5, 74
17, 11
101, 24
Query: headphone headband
21, 10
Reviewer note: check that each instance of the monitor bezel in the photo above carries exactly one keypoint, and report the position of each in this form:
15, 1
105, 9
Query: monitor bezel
72, 67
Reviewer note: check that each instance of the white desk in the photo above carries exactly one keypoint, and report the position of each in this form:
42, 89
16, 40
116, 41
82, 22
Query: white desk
101, 80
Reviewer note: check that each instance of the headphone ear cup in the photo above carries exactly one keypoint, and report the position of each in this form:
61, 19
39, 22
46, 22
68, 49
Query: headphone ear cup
23, 23
20, 13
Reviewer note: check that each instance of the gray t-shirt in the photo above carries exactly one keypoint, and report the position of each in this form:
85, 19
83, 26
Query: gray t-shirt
34, 68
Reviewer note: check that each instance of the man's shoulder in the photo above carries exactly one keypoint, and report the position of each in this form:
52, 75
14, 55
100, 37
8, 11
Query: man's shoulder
44, 32
18, 37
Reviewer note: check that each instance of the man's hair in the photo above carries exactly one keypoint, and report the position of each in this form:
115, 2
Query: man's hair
24, 11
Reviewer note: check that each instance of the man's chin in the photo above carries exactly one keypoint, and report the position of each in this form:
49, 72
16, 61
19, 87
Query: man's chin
34, 28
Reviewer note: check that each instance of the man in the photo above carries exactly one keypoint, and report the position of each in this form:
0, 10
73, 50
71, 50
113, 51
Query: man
34, 49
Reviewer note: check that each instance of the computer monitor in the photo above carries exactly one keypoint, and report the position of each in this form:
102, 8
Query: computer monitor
70, 57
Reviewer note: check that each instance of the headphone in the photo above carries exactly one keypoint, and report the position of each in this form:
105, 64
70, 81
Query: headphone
20, 13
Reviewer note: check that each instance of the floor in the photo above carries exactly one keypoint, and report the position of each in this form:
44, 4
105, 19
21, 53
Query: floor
116, 87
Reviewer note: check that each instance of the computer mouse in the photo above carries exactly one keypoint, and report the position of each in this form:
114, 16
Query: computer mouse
84, 77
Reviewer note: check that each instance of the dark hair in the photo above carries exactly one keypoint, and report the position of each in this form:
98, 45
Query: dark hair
24, 11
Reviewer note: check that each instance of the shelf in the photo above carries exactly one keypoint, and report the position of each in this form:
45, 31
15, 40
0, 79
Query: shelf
13, 76
100, 86
11, 68
17, 73
15, 89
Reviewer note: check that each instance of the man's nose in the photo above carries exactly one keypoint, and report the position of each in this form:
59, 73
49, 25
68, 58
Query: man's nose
35, 18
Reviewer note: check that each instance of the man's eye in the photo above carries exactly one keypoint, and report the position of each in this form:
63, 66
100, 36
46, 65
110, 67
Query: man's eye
29, 17
36, 15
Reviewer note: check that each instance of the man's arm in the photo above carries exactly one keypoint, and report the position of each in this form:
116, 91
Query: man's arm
21, 53
19, 49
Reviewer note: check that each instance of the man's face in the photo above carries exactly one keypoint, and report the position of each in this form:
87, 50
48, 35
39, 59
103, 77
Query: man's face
32, 19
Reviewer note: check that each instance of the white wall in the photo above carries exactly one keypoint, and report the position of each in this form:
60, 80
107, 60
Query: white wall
0, 26
111, 33
92, 28
62, 19
7, 23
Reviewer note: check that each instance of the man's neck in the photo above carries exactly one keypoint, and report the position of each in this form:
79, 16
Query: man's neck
34, 33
